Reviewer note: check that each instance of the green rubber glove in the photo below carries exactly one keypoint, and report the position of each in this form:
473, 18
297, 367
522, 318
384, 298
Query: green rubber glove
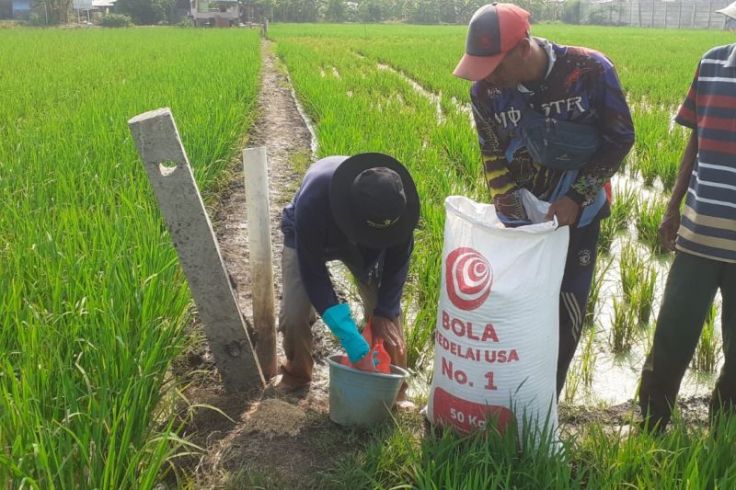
341, 324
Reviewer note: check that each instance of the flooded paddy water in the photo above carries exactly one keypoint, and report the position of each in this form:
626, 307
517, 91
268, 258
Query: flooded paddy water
614, 378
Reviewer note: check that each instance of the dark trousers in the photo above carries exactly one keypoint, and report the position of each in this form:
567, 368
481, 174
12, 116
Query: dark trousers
576, 281
691, 286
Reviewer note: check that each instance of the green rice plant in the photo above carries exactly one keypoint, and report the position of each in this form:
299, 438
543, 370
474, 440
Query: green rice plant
659, 145
648, 221
595, 456
606, 236
638, 281
647, 165
572, 383
589, 357
643, 296
623, 206
623, 326
706, 357
624, 202
583, 368
631, 268
667, 168
602, 266
93, 300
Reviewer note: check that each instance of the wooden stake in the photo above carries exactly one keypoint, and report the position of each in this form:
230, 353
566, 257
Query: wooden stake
255, 164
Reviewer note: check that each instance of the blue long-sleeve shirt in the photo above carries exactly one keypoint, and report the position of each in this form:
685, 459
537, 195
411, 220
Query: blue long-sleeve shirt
309, 227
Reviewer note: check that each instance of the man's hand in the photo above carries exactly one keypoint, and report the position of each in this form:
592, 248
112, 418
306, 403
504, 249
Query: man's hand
566, 210
668, 228
389, 331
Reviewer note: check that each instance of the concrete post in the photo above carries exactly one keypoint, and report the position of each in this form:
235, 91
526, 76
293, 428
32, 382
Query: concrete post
255, 166
181, 205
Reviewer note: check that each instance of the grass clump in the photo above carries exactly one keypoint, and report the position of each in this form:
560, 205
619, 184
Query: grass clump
588, 456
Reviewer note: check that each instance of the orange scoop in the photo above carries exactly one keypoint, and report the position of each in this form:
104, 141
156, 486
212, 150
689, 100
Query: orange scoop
377, 350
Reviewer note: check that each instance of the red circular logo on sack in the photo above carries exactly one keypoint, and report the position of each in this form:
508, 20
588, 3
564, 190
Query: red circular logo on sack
468, 277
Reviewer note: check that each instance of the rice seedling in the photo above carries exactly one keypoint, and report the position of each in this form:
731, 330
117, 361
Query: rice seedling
647, 165
622, 209
643, 297
588, 358
581, 372
638, 280
631, 268
647, 224
623, 326
572, 383
606, 237
667, 168
706, 357
602, 267
94, 303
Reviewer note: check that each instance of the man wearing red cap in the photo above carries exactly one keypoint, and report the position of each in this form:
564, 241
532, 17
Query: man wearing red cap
551, 119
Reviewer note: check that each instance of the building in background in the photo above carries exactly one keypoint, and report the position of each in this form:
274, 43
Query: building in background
217, 13
669, 14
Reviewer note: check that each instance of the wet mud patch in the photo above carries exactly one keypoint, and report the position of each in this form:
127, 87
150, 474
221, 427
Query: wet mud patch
693, 412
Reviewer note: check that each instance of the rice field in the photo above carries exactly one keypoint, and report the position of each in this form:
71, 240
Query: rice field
390, 89
94, 302
93, 299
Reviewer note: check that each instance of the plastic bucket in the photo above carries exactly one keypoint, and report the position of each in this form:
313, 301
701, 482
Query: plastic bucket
361, 398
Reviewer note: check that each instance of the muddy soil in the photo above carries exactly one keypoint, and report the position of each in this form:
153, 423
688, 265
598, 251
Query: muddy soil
693, 411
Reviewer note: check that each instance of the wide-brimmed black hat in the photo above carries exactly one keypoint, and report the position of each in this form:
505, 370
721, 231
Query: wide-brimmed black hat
374, 200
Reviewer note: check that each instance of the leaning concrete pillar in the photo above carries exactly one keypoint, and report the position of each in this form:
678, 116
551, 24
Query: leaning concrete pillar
181, 205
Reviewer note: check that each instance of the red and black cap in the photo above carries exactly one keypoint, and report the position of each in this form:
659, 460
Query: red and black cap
494, 30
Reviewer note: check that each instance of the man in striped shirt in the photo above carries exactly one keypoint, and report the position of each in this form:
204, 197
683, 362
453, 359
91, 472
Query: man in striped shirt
704, 238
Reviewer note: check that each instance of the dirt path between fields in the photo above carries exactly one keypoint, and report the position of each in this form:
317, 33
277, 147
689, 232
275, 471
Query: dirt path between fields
271, 442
